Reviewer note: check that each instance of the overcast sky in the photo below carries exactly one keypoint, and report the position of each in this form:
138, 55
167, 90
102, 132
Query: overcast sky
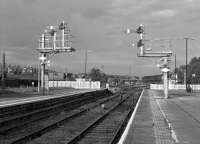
98, 27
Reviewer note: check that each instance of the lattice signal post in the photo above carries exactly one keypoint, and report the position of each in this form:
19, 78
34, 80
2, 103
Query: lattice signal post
153, 54
54, 40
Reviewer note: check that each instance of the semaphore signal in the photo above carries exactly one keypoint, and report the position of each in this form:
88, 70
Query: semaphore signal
55, 39
164, 55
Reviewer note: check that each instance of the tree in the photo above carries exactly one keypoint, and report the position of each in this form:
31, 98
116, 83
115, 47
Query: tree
18, 70
180, 72
96, 75
194, 60
193, 69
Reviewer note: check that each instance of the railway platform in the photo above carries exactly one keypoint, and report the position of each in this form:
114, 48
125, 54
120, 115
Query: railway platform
10, 99
164, 121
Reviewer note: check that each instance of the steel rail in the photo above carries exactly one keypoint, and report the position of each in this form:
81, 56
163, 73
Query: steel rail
12, 123
93, 124
56, 124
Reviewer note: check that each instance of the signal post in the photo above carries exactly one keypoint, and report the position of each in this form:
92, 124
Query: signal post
54, 40
153, 54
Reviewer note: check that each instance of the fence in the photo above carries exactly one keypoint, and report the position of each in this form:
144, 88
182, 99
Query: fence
174, 87
76, 84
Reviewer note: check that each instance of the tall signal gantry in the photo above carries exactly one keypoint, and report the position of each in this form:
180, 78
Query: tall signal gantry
55, 39
141, 46
164, 55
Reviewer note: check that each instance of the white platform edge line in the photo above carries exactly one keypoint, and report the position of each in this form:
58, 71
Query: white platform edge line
125, 133
35, 99
173, 133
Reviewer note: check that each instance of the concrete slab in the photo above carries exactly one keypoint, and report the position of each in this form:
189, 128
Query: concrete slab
183, 113
165, 121
141, 130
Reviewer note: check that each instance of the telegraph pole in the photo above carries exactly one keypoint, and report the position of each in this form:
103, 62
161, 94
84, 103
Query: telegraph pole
175, 67
3, 71
85, 62
186, 57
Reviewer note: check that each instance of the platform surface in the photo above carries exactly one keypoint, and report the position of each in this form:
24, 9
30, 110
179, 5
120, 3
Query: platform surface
9, 99
166, 121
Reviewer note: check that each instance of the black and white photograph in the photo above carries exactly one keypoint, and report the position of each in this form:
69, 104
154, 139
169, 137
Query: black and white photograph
99, 72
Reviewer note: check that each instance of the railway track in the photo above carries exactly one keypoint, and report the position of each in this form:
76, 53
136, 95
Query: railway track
89, 114
76, 130
77, 114
10, 124
27, 107
108, 127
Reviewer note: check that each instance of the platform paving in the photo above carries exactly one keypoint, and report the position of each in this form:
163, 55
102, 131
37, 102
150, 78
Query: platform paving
183, 114
166, 121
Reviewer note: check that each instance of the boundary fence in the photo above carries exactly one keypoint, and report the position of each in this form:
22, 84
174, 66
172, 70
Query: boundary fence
75, 84
174, 87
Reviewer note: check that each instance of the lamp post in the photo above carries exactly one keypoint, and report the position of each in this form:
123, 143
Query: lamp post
87, 52
3, 71
38, 78
165, 71
43, 59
